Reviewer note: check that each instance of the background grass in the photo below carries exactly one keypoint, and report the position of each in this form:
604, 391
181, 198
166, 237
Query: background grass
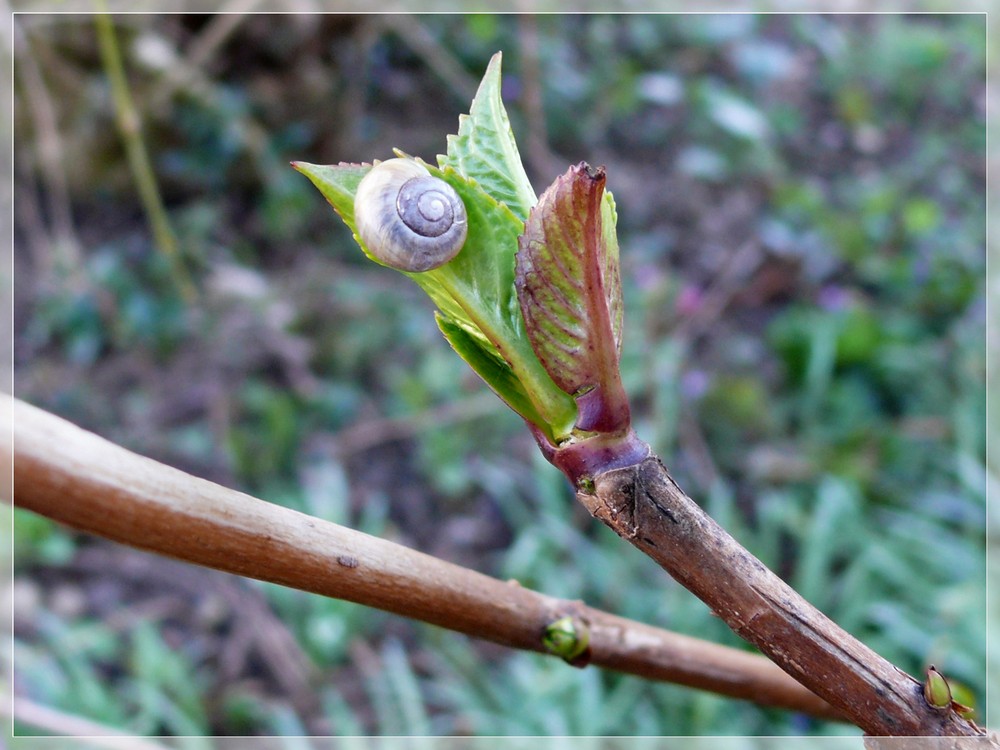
802, 222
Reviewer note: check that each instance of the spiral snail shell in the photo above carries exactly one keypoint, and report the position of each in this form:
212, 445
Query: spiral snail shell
408, 219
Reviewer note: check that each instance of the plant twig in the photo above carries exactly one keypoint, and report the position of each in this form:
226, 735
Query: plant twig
539, 154
644, 506
188, 71
138, 159
65, 246
215, 34
422, 41
727, 282
86, 482
68, 725
363, 436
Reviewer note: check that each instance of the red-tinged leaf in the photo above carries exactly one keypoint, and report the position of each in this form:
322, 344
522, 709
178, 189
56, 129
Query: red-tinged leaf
569, 289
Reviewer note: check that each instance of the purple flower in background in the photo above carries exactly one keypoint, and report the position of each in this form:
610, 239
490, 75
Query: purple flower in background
648, 277
689, 300
694, 383
833, 298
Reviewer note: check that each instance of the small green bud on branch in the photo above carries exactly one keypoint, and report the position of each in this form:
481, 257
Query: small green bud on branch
569, 639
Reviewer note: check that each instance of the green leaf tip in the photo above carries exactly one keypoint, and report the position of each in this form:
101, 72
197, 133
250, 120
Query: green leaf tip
337, 182
484, 148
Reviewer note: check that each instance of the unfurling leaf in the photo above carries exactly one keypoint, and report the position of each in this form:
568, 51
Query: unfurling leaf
569, 288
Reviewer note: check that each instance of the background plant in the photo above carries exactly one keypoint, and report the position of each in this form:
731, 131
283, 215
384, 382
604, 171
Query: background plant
804, 348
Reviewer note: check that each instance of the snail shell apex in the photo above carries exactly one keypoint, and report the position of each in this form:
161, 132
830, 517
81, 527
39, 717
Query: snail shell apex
408, 219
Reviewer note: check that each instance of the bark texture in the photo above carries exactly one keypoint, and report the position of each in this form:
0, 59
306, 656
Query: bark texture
644, 505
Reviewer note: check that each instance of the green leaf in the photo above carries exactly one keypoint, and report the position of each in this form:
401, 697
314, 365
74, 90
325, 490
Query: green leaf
569, 287
474, 292
490, 367
485, 150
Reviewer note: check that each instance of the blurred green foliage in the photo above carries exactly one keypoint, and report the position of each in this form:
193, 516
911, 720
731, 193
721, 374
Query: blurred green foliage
802, 222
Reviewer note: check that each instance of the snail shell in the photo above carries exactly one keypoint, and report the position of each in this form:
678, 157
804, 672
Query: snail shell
408, 219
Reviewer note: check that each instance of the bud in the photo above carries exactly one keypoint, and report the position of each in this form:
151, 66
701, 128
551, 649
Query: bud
569, 639
937, 692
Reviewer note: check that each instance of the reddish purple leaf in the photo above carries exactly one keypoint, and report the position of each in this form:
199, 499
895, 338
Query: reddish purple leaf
569, 289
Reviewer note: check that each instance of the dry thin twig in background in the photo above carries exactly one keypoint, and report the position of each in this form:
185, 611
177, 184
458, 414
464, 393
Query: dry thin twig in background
131, 131
65, 246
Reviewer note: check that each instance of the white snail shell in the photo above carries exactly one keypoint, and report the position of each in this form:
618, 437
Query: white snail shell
408, 219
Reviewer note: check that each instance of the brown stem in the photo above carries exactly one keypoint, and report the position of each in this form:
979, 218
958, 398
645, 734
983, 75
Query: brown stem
643, 505
86, 482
